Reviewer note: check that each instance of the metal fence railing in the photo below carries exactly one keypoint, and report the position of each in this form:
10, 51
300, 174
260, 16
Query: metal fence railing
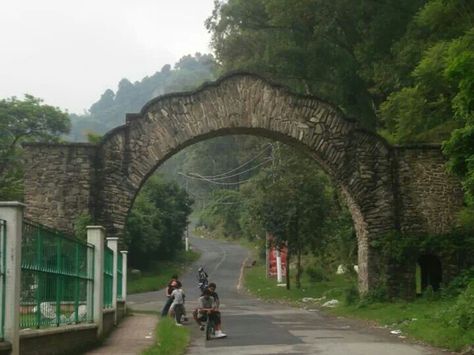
56, 278
108, 277
3, 259
119, 276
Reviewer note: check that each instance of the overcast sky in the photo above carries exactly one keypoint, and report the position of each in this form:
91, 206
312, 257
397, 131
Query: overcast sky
68, 52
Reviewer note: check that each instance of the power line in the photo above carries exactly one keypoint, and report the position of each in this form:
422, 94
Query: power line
231, 176
241, 166
201, 178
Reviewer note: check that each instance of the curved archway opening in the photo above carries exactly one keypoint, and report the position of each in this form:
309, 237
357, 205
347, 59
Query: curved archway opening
226, 170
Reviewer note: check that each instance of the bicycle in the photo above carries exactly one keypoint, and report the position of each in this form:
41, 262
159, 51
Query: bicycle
210, 329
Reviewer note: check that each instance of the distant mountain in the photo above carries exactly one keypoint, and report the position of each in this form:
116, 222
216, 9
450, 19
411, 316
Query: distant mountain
110, 110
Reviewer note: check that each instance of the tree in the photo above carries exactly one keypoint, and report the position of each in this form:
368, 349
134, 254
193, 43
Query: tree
460, 146
292, 203
156, 222
423, 109
222, 212
27, 120
333, 49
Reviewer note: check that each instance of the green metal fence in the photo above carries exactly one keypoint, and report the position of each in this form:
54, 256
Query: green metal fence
3, 244
56, 278
108, 277
119, 276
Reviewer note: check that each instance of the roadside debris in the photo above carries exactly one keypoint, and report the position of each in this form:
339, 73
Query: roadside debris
331, 303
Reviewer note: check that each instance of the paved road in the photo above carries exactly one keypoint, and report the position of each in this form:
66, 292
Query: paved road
256, 327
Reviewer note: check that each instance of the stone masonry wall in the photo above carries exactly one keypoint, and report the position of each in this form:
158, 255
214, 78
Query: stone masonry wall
59, 183
429, 196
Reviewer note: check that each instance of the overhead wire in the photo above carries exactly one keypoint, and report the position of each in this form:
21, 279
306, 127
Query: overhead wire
231, 176
242, 165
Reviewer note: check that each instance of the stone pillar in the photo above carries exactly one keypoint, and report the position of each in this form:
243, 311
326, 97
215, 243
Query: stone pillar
12, 213
96, 237
124, 276
112, 243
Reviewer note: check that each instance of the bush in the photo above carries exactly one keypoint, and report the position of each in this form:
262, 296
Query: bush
459, 283
463, 312
316, 273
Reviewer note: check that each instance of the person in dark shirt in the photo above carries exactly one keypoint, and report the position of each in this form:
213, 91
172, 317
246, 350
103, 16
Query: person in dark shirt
174, 282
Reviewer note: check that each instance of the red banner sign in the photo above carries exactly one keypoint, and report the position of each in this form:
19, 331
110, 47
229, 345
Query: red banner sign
272, 257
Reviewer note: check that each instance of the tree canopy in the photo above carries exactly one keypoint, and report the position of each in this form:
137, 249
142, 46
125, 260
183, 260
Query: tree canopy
27, 120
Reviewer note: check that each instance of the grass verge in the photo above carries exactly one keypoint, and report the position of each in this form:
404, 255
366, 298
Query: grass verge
422, 319
170, 339
159, 274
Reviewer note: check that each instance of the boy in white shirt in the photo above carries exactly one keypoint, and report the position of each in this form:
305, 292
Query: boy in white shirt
177, 307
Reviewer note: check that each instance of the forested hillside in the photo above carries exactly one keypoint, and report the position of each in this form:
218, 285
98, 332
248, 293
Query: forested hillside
110, 110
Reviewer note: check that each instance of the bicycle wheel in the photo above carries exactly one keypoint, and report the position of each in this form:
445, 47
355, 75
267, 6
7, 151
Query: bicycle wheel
209, 330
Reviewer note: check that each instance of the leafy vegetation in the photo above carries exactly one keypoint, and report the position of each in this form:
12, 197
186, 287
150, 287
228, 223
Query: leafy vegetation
21, 121
157, 222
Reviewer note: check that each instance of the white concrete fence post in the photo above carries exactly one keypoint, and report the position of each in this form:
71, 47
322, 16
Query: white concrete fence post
124, 276
12, 213
96, 237
112, 243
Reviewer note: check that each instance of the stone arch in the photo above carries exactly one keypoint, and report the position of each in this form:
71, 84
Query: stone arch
386, 188
358, 162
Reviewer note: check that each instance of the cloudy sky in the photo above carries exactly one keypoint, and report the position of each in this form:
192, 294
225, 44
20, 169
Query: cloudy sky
68, 52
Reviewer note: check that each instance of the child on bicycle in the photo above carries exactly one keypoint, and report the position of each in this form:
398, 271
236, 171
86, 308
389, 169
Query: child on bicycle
207, 303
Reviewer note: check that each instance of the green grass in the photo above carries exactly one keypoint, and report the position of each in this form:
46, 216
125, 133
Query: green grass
159, 274
170, 339
265, 288
421, 319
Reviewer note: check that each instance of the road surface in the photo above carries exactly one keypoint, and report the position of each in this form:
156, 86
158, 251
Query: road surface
256, 327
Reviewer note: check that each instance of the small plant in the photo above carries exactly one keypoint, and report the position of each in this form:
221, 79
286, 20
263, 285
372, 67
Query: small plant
351, 295
375, 295
429, 294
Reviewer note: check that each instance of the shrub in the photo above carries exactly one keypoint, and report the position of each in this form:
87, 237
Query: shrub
463, 312
316, 273
459, 283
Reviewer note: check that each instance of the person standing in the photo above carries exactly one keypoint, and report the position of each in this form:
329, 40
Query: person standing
169, 290
177, 306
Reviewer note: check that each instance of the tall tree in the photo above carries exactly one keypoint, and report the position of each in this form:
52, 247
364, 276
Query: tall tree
321, 47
